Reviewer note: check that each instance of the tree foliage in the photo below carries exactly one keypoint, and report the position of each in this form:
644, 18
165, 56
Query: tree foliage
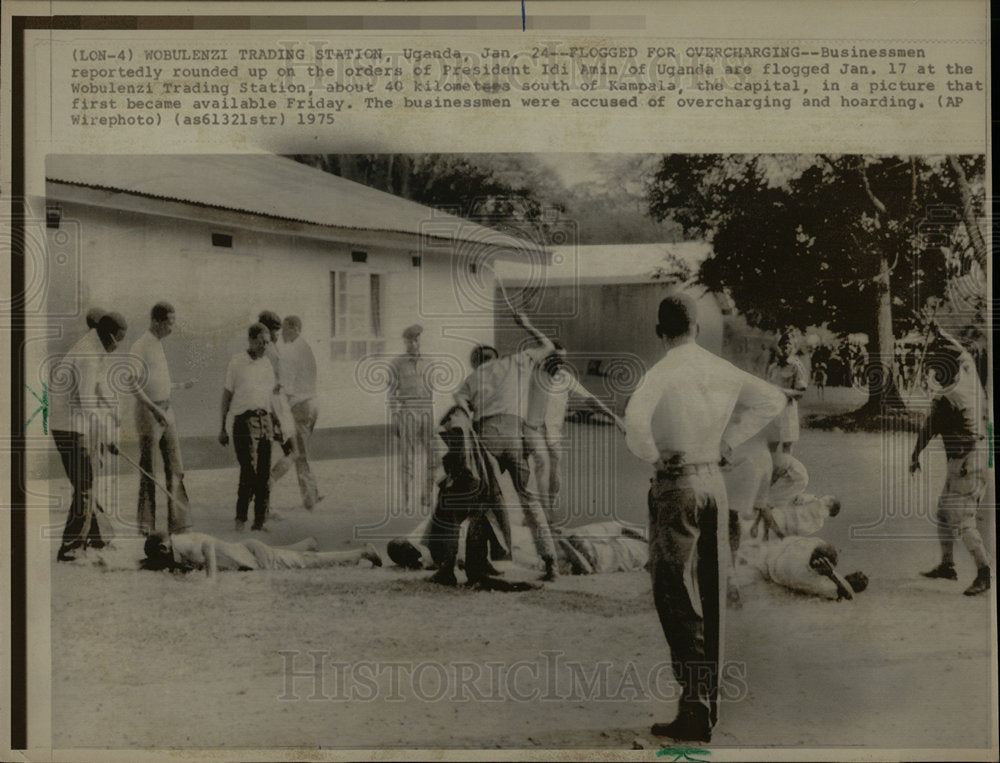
860, 243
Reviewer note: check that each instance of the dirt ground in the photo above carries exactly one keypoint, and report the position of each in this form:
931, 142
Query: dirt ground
355, 657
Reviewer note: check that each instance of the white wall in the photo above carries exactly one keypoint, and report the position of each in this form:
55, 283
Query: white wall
130, 260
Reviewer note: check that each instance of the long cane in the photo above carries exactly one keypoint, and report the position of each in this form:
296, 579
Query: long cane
152, 479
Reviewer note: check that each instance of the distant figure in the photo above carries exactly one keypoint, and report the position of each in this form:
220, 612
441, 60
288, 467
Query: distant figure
248, 389
788, 374
297, 371
196, 551
820, 376
680, 420
960, 414
411, 405
82, 417
156, 424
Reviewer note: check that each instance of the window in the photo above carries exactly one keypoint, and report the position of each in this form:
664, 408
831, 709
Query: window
222, 239
356, 310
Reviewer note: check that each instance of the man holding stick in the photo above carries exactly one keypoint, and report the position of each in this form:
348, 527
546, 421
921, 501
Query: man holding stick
156, 424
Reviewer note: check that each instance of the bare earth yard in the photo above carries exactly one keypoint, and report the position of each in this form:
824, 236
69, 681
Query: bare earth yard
355, 657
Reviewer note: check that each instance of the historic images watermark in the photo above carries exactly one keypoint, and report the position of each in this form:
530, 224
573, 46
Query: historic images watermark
316, 675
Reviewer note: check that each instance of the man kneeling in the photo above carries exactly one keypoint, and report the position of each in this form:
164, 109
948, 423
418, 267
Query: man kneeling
197, 551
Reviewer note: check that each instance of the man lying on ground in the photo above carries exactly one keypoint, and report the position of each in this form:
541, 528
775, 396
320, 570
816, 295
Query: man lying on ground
197, 551
805, 515
807, 565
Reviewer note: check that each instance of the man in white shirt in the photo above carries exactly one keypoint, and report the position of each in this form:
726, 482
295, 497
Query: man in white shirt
247, 393
297, 371
82, 416
548, 397
496, 396
679, 420
156, 424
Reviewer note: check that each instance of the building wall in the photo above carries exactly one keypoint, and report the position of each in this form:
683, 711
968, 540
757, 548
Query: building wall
613, 324
131, 260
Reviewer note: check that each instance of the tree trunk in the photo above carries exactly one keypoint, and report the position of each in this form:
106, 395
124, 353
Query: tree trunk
883, 395
968, 211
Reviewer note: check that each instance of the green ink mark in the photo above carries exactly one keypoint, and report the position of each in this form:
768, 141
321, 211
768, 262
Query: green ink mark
43, 408
683, 753
989, 439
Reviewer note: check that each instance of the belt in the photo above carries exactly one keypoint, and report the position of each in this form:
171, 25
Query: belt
255, 412
680, 470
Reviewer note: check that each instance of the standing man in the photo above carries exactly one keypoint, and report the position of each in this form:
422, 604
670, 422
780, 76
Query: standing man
249, 385
411, 403
81, 408
679, 420
960, 414
297, 372
496, 396
548, 397
156, 424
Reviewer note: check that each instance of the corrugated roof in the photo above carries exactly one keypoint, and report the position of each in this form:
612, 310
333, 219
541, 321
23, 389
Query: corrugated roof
265, 184
607, 263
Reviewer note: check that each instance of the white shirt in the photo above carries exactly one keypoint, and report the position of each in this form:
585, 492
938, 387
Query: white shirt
501, 386
251, 381
150, 367
75, 383
548, 397
297, 370
684, 406
803, 517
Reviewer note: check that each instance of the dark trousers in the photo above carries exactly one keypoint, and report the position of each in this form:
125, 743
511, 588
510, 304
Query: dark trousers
151, 436
252, 433
81, 525
688, 548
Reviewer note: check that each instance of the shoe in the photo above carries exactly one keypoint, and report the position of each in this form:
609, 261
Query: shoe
981, 584
945, 571
258, 528
64, 555
371, 555
684, 728
241, 525
444, 577
550, 571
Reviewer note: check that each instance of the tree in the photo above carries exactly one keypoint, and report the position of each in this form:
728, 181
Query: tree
495, 190
808, 239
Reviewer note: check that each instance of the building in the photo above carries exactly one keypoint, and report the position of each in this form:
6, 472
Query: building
223, 237
601, 301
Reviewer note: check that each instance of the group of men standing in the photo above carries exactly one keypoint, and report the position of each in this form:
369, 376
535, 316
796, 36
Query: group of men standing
263, 384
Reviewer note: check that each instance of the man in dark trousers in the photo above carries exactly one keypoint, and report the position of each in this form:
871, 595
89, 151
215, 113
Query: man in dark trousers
82, 416
960, 414
248, 389
680, 419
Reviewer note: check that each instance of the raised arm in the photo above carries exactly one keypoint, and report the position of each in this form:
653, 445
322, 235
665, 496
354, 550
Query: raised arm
545, 344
